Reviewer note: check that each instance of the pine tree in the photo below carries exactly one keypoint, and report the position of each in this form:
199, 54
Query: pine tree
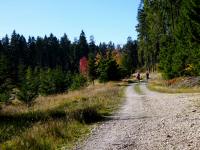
53, 81
130, 56
29, 89
5, 82
108, 69
83, 45
168, 34
113, 71
92, 46
102, 70
47, 85
31, 54
65, 53
91, 68
14, 53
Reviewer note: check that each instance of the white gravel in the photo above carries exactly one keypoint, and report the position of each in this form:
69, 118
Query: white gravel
152, 121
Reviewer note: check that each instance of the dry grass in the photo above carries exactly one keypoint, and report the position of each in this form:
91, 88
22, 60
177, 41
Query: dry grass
172, 86
51, 102
172, 90
57, 120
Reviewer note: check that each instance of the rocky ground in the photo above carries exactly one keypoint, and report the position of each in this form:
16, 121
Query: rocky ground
149, 121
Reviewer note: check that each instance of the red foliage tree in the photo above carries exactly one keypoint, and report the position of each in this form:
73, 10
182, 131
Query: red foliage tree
83, 66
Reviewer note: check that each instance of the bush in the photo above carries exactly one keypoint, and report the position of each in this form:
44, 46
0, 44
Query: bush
78, 81
29, 89
4, 97
123, 73
52, 81
56, 81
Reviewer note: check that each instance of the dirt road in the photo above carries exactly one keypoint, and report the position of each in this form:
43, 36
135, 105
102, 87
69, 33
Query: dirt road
150, 121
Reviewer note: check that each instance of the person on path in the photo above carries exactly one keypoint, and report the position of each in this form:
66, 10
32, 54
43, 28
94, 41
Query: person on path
138, 76
147, 75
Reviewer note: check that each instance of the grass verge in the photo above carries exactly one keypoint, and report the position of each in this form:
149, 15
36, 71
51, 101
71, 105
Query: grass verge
57, 121
167, 89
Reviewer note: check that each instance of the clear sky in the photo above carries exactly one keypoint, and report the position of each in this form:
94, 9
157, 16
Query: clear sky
106, 20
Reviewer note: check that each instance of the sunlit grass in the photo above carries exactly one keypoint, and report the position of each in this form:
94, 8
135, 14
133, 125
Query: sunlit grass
161, 87
57, 121
53, 134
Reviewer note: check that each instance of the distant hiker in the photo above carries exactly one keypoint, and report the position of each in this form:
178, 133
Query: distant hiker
138, 76
147, 75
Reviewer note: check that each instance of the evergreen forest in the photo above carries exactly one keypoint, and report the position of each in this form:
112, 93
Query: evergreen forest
48, 65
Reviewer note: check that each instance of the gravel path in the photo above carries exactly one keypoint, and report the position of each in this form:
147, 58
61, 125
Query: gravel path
150, 121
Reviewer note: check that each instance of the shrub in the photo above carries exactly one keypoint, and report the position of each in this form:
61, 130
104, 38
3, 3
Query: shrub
4, 97
46, 82
52, 81
29, 89
78, 81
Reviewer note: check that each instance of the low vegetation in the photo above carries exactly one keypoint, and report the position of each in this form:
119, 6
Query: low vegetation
176, 85
57, 121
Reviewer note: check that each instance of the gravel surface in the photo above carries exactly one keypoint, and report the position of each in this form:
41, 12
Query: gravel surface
150, 121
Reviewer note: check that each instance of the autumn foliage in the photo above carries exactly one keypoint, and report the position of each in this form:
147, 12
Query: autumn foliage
83, 66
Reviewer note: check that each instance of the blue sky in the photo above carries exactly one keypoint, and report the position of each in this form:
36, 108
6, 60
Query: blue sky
106, 20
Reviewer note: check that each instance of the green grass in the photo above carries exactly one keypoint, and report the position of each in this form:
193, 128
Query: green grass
46, 126
53, 134
138, 89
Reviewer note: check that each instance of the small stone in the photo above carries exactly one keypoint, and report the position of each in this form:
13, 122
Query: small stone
192, 125
169, 136
191, 142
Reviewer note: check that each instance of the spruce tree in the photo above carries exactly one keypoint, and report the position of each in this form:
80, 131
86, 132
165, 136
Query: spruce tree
108, 69
92, 46
29, 89
130, 56
5, 82
102, 70
65, 53
83, 45
92, 68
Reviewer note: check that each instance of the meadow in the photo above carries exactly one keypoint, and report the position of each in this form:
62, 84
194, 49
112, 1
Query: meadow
57, 121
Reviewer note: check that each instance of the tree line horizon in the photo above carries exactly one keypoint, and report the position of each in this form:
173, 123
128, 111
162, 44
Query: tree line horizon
48, 65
